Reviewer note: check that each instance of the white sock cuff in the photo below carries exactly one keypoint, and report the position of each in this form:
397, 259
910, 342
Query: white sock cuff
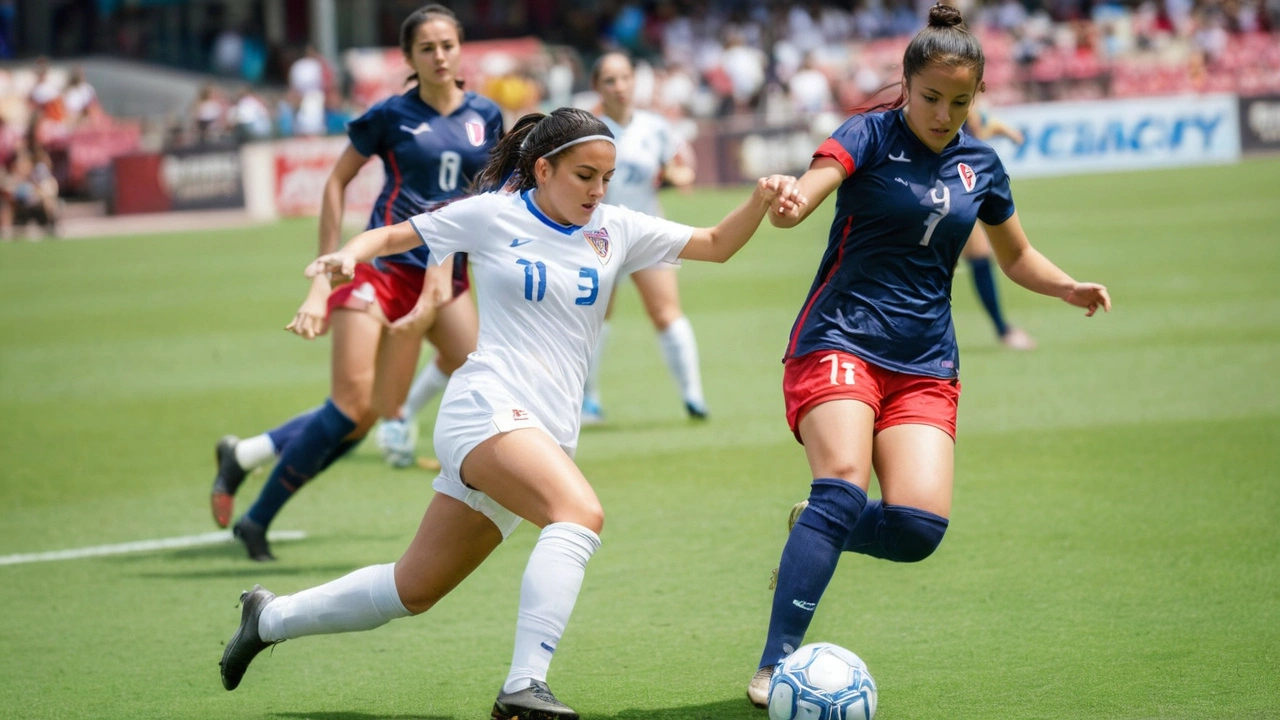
385, 596
572, 537
679, 328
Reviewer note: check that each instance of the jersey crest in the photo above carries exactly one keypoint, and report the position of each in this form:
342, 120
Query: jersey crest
475, 132
967, 176
599, 241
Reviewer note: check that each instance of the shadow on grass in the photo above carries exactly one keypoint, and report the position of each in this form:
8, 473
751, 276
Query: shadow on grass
735, 709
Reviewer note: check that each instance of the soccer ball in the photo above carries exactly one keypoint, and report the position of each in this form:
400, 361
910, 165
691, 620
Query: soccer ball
821, 681
398, 440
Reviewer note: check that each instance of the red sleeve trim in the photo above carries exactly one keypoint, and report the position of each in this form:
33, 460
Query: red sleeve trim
833, 149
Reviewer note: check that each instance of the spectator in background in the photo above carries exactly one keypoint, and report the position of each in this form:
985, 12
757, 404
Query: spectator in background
249, 117
209, 114
46, 94
744, 66
30, 193
286, 113
79, 99
310, 73
810, 89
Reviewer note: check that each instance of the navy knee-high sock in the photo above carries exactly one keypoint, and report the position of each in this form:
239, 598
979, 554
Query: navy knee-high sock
338, 453
896, 532
808, 561
302, 459
984, 281
287, 431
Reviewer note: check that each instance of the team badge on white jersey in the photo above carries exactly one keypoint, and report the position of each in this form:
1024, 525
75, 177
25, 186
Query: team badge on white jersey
967, 176
599, 241
475, 132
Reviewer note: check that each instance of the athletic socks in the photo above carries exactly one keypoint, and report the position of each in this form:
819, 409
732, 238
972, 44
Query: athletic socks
900, 533
362, 600
548, 592
429, 383
592, 394
319, 443
252, 453
680, 351
984, 282
284, 434
808, 561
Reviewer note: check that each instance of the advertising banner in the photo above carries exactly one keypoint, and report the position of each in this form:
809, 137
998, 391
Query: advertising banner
1260, 124
302, 166
188, 179
1111, 135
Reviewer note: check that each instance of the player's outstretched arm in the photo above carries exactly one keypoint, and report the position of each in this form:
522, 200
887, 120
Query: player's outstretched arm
1035, 272
364, 247
823, 176
776, 193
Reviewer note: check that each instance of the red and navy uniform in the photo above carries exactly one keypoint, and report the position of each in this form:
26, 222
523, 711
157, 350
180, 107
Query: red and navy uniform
876, 326
903, 214
428, 158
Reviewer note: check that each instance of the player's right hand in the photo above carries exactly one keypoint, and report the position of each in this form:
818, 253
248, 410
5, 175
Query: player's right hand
310, 321
336, 265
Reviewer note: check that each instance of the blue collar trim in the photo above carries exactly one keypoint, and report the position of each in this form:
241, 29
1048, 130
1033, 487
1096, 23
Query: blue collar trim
533, 208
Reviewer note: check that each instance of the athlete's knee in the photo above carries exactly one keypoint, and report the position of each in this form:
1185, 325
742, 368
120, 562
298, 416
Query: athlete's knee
834, 507
664, 316
587, 513
910, 534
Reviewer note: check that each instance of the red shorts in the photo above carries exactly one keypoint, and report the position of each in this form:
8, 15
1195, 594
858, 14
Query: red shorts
896, 398
396, 288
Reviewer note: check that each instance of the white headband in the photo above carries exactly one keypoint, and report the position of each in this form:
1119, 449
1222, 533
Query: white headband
579, 141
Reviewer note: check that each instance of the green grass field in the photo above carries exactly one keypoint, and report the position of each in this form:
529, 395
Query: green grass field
1114, 550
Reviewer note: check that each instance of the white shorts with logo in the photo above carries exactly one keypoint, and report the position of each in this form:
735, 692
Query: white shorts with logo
474, 409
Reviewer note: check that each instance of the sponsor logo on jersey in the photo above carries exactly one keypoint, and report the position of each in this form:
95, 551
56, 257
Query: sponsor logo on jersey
475, 132
599, 241
422, 127
967, 176
900, 157
518, 415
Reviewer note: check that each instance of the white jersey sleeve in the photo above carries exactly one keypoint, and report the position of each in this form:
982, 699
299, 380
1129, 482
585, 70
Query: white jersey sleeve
651, 240
458, 226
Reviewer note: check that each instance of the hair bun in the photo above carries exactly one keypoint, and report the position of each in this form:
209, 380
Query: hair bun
944, 16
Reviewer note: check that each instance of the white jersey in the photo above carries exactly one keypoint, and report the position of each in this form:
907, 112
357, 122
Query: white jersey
542, 289
645, 146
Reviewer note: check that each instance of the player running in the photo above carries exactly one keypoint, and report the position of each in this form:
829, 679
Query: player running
545, 259
647, 156
432, 140
872, 370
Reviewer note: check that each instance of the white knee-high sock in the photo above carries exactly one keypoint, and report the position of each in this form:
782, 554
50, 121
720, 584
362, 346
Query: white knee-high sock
361, 600
548, 592
680, 350
593, 368
429, 383
252, 453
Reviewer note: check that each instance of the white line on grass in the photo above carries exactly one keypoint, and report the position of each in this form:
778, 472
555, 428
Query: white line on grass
211, 538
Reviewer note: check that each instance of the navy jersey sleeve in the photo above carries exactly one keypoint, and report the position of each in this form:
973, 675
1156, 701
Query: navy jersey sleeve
997, 203
366, 131
852, 144
493, 126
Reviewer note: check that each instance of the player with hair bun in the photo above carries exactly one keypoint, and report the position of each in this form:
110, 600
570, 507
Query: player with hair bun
545, 258
871, 378
432, 140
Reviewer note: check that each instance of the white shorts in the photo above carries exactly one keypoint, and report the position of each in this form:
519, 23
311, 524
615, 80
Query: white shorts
472, 411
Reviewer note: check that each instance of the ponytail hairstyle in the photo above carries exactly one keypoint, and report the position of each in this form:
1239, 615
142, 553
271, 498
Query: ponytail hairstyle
535, 136
945, 41
416, 19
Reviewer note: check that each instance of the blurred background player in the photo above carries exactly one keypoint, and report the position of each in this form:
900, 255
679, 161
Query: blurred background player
871, 379
432, 140
546, 259
977, 251
647, 156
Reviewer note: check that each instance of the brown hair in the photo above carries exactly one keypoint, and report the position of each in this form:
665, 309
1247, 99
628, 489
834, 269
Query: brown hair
599, 64
417, 19
945, 41
532, 137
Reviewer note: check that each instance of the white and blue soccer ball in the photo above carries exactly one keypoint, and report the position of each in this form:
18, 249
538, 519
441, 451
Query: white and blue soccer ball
398, 440
822, 681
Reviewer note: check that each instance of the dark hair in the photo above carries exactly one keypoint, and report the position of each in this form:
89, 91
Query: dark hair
532, 137
945, 41
599, 63
417, 19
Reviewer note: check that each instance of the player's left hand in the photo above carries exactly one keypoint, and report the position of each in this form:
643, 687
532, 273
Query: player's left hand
1090, 296
335, 265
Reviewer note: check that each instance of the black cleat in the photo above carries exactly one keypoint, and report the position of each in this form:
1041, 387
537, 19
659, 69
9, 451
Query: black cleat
532, 703
245, 645
227, 481
254, 538
697, 411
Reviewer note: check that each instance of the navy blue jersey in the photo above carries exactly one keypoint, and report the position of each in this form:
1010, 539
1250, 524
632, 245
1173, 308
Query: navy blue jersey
427, 157
903, 213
